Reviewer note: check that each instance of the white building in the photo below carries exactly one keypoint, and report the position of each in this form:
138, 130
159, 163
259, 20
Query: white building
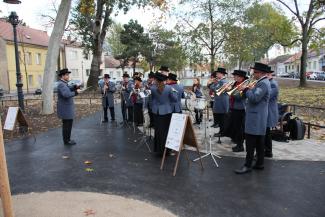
277, 64
113, 68
74, 59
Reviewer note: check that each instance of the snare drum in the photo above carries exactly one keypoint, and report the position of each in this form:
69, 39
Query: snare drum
200, 103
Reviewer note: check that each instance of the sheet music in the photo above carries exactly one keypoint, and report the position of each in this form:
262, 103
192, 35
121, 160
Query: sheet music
175, 131
11, 118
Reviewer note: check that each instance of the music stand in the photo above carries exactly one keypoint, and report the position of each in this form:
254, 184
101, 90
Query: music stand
208, 143
143, 140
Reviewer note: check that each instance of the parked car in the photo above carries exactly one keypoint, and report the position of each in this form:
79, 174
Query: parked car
1, 92
320, 76
311, 75
38, 91
285, 75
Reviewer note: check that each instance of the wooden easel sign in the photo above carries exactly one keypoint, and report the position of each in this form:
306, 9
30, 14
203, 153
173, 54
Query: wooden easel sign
14, 114
180, 132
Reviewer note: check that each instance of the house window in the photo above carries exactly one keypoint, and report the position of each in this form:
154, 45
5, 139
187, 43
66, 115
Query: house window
87, 72
74, 72
30, 80
309, 65
28, 58
314, 65
40, 80
286, 70
73, 55
38, 59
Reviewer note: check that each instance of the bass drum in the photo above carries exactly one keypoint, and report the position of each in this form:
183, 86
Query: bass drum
200, 104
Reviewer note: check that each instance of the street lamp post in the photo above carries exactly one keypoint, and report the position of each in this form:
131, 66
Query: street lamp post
13, 19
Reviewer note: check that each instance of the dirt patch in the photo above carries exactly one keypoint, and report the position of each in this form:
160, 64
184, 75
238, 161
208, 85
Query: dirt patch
78, 204
41, 123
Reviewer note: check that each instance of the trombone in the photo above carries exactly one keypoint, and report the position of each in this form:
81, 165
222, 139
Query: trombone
224, 87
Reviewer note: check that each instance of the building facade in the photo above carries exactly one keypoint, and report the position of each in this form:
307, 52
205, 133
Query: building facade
32, 54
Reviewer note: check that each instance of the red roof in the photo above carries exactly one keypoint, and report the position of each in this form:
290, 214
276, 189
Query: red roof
25, 34
111, 62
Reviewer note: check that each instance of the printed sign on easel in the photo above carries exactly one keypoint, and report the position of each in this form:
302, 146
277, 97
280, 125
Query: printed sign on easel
14, 114
180, 132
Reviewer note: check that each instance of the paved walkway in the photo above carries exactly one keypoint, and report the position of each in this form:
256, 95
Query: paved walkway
284, 188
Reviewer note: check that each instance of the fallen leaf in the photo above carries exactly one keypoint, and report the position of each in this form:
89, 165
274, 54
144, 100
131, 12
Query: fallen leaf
89, 169
111, 155
88, 162
65, 157
89, 212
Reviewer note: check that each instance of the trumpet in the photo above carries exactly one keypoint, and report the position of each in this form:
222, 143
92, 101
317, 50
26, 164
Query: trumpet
232, 91
251, 84
224, 87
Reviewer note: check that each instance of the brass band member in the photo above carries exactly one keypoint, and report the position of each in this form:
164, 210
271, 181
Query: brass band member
150, 82
196, 89
125, 95
108, 89
235, 129
172, 81
137, 101
213, 81
65, 105
256, 118
162, 97
273, 114
221, 102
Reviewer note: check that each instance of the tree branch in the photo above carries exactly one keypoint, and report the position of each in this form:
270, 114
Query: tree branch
291, 43
297, 14
316, 21
200, 37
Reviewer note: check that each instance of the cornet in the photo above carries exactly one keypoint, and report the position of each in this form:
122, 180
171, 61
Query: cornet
224, 87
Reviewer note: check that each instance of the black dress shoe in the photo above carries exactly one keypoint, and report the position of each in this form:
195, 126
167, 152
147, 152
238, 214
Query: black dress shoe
243, 170
238, 149
71, 142
105, 121
218, 135
268, 155
258, 167
214, 125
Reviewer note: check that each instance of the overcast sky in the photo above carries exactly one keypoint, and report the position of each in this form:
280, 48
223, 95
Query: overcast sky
30, 11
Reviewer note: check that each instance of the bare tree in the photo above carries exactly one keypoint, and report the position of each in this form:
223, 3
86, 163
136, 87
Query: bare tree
52, 54
307, 20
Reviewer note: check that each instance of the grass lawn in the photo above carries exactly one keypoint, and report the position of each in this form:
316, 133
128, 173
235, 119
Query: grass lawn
313, 96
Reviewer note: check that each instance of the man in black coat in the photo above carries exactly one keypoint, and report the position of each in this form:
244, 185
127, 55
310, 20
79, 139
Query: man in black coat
65, 105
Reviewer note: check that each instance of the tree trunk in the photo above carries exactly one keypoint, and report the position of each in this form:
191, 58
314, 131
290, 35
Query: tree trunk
240, 64
303, 60
94, 70
212, 58
52, 55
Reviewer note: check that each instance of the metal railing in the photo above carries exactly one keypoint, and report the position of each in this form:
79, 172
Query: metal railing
308, 124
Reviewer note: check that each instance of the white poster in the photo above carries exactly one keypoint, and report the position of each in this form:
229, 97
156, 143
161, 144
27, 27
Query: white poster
11, 118
175, 132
